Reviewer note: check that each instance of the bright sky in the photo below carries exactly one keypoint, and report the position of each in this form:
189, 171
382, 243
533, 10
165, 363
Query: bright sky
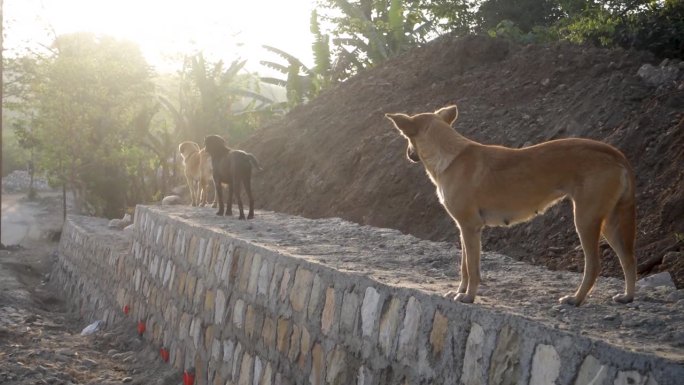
225, 29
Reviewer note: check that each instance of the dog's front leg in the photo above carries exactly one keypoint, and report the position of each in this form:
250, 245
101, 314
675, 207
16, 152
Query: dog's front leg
229, 206
463, 286
471, 245
219, 196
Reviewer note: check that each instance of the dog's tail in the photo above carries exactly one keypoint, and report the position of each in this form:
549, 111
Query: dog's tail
254, 162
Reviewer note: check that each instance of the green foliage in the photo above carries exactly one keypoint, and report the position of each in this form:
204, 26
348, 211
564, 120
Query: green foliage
659, 29
524, 14
211, 97
506, 29
76, 105
301, 83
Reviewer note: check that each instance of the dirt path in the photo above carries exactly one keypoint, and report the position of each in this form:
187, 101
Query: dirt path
40, 341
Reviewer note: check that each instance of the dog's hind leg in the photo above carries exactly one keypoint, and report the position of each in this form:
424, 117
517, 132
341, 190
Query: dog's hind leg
620, 232
588, 226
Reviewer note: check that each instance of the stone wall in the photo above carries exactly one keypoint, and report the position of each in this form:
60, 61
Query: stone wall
245, 312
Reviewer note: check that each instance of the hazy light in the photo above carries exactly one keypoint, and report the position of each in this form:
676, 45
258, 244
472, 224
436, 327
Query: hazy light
167, 28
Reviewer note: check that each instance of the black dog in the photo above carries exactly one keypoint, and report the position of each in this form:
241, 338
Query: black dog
233, 167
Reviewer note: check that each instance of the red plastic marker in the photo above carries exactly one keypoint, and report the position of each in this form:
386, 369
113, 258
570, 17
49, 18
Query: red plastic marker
126, 309
189, 377
141, 327
164, 354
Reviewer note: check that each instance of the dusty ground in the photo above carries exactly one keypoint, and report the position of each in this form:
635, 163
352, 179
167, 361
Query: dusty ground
40, 341
339, 156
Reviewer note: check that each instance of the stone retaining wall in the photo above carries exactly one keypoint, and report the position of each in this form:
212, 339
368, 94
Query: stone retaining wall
245, 313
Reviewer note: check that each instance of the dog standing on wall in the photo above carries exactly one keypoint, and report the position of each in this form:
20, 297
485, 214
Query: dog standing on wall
197, 170
233, 167
481, 185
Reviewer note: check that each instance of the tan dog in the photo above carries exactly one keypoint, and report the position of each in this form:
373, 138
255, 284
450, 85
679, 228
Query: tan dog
197, 168
482, 185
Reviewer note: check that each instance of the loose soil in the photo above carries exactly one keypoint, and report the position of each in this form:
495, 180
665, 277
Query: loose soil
40, 341
337, 156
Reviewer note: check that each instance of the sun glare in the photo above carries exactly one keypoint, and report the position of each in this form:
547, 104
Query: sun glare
164, 29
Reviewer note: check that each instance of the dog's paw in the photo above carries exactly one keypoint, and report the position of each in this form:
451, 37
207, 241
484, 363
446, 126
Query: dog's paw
229, 213
250, 216
623, 298
214, 205
242, 217
570, 300
464, 298
219, 213
450, 294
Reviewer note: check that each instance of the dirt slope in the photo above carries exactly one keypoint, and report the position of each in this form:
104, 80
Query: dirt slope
339, 156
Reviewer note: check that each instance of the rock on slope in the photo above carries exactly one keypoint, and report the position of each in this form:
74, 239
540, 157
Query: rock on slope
339, 156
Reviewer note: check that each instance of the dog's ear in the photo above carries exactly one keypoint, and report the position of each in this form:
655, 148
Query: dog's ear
448, 114
404, 124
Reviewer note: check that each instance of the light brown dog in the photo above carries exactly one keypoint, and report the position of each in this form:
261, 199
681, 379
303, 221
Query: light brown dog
197, 169
482, 185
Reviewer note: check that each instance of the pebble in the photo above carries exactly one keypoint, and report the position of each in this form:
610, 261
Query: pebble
127, 379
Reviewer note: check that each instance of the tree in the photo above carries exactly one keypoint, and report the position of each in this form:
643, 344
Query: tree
87, 94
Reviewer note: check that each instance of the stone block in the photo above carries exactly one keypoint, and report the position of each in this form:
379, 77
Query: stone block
336, 372
192, 250
406, 349
283, 334
632, 377
300, 289
389, 323
328, 317
439, 333
196, 332
228, 350
304, 347
295, 340
239, 314
190, 282
220, 307
216, 350
246, 269
473, 373
254, 275
268, 333
369, 311
264, 278
350, 313
504, 368
250, 318
284, 284
266, 379
258, 369
209, 303
197, 299
592, 372
314, 299
246, 370
317, 374
545, 365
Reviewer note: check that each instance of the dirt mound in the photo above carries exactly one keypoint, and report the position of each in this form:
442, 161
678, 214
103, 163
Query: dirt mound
338, 155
